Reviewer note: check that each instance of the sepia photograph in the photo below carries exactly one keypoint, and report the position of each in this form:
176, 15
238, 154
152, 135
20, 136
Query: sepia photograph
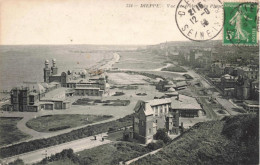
129, 82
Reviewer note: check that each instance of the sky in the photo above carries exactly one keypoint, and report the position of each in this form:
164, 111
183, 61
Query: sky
86, 22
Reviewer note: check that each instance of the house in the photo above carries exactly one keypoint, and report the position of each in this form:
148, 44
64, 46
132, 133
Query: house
151, 115
252, 106
227, 84
186, 106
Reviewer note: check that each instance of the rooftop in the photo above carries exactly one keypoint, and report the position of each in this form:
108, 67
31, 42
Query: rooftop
251, 102
158, 101
56, 94
185, 102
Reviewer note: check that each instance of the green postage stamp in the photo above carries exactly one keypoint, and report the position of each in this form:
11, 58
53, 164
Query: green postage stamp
240, 23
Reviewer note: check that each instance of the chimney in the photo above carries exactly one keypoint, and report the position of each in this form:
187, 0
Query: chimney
146, 105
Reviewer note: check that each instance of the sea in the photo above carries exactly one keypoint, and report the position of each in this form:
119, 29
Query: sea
25, 63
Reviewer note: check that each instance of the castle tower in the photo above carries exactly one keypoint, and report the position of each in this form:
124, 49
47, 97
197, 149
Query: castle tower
172, 122
47, 72
54, 68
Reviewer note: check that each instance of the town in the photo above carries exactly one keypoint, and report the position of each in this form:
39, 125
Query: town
139, 101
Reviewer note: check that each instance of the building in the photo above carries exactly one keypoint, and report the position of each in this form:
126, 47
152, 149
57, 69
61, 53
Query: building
33, 96
251, 106
186, 106
227, 84
151, 115
249, 72
76, 79
165, 85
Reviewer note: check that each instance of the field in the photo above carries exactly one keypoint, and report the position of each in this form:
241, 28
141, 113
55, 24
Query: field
167, 75
126, 79
58, 122
9, 133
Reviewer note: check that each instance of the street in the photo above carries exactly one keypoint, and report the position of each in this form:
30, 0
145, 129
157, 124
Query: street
77, 145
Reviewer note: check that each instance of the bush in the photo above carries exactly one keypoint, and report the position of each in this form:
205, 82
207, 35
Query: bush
64, 154
162, 135
174, 69
59, 128
17, 162
155, 146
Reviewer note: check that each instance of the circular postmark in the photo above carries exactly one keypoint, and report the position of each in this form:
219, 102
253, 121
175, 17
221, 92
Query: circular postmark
199, 20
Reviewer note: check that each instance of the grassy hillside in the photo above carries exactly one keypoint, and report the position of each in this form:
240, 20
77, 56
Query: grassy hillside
233, 140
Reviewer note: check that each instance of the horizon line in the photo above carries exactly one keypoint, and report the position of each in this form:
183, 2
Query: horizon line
99, 44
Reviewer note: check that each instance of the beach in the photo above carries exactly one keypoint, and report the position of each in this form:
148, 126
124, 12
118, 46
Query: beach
25, 63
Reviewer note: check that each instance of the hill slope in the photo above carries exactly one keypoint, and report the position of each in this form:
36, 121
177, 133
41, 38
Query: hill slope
233, 140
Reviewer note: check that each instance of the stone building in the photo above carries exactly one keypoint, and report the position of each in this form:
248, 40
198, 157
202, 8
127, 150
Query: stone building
186, 106
151, 115
32, 97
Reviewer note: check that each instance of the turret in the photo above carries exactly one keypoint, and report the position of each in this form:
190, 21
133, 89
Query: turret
47, 72
46, 63
54, 68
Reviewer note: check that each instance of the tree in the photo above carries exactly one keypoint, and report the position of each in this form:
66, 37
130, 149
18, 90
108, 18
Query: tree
162, 135
17, 162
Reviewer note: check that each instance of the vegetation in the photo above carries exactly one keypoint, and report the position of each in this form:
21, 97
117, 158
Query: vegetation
117, 103
156, 145
174, 69
119, 94
112, 153
221, 111
232, 140
128, 87
67, 137
87, 101
58, 122
187, 76
141, 94
9, 132
162, 135
66, 154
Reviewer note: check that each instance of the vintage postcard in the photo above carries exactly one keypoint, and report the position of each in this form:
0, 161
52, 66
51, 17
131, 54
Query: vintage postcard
129, 82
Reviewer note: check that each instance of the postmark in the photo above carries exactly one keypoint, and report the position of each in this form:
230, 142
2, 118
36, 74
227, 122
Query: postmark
240, 24
199, 20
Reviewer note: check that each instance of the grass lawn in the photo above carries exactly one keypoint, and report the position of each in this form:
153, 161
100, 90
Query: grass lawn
174, 69
62, 162
58, 122
111, 153
9, 133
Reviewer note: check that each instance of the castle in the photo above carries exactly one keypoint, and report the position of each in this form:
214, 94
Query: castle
53, 92
76, 79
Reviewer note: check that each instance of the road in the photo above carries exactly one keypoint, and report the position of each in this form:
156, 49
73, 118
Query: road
223, 102
228, 106
77, 145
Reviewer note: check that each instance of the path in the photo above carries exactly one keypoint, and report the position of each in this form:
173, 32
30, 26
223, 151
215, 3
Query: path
135, 159
77, 145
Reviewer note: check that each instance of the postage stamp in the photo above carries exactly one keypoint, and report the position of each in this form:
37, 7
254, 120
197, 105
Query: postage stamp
199, 20
240, 24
